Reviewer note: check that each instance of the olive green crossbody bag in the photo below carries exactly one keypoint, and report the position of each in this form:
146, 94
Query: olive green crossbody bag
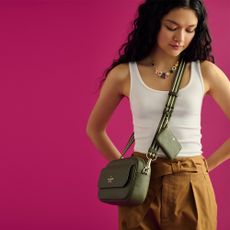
125, 181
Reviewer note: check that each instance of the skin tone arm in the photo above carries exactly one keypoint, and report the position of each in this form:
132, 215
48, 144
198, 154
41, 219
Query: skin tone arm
218, 86
110, 96
219, 156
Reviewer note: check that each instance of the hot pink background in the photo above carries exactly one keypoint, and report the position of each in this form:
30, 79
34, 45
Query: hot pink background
52, 54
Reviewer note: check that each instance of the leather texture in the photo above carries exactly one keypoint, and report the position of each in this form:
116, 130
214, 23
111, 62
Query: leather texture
122, 182
168, 143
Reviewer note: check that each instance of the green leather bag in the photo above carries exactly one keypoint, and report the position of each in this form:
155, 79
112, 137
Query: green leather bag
126, 181
168, 143
123, 182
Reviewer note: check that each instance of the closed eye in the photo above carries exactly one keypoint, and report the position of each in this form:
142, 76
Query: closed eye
190, 31
171, 28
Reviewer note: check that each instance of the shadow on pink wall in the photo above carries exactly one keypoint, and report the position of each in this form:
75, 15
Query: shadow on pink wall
52, 54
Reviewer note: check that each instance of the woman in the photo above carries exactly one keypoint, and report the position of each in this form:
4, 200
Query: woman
164, 32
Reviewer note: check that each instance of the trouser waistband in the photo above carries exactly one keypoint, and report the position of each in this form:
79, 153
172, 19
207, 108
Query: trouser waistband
164, 166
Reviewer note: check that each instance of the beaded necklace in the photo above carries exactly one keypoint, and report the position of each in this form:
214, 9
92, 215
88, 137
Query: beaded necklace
162, 74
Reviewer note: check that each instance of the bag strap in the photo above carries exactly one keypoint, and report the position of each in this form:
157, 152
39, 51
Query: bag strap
169, 106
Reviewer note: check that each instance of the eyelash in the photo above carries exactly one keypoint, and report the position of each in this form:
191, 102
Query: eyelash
173, 29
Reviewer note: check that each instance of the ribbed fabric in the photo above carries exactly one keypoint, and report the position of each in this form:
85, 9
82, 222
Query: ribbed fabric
147, 105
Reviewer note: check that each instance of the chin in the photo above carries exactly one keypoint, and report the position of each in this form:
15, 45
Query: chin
174, 54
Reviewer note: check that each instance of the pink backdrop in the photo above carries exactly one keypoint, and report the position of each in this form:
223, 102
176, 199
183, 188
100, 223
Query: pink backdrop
52, 54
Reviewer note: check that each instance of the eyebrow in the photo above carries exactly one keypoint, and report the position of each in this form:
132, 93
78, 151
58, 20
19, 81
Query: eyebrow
171, 21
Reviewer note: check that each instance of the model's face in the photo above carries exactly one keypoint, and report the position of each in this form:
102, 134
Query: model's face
177, 31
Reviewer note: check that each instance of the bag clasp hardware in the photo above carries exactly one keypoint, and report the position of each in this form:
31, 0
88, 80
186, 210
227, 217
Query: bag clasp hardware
146, 169
151, 157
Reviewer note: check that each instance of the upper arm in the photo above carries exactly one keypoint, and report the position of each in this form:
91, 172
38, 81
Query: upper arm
218, 85
110, 95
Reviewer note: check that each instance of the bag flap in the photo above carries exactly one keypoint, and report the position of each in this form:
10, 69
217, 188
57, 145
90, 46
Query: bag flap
116, 176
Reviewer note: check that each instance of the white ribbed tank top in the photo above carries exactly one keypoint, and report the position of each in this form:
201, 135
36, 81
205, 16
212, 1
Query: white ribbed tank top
147, 105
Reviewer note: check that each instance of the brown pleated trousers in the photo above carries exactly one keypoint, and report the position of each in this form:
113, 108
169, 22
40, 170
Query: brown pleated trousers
180, 197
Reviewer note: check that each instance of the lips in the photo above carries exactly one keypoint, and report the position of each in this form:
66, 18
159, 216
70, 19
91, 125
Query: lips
176, 46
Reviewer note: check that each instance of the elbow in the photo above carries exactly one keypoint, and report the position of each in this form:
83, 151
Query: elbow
92, 131
89, 131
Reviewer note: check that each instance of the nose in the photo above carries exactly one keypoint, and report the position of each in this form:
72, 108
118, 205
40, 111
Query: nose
179, 36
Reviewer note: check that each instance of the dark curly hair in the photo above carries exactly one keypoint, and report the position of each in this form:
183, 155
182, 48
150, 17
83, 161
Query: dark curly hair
143, 37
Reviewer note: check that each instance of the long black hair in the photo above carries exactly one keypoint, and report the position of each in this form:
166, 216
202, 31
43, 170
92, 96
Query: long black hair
146, 26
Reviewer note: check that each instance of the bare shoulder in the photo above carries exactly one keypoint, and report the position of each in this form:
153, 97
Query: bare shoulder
119, 73
209, 68
218, 85
119, 77
213, 76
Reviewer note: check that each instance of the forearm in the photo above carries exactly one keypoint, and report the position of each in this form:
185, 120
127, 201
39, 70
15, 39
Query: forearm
219, 156
103, 143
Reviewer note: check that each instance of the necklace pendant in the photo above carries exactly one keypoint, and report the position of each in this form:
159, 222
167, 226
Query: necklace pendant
174, 68
163, 75
160, 73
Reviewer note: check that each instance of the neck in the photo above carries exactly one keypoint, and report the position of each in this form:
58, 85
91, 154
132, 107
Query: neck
162, 60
